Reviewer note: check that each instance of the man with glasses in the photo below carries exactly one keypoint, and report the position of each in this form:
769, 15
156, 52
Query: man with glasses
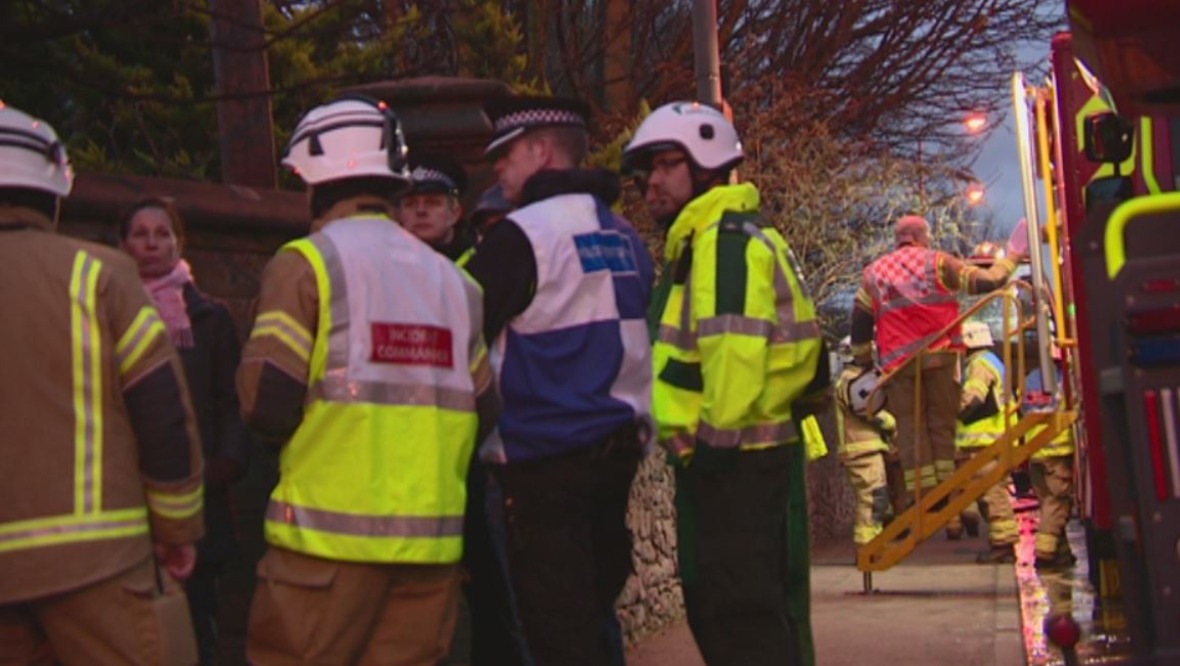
739, 362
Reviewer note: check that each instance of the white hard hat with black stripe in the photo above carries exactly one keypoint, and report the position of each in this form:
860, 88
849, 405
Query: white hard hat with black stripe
31, 156
351, 137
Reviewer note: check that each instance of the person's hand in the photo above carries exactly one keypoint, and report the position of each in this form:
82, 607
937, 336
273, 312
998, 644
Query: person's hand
177, 560
1018, 241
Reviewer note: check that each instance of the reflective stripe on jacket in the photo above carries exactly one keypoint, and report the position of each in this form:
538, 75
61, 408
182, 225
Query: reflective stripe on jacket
1062, 443
858, 436
575, 366
983, 382
376, 470
910, 304
735, 336
87, 475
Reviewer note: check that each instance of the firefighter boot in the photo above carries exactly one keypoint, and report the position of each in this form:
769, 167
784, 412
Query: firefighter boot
1061, 560
971, 524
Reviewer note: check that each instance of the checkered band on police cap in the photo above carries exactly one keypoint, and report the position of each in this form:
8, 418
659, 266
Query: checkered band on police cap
438, 173
511, 117
426, 174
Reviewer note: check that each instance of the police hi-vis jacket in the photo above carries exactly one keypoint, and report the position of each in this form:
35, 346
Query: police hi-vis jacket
385, 334
575, 366
736, 340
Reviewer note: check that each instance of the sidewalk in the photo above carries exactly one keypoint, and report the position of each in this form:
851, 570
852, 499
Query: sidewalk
936, 608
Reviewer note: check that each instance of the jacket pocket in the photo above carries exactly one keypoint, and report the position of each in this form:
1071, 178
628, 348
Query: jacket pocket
683, 375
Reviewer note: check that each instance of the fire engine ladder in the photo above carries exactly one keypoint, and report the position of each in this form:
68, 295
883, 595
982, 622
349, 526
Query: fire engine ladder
934, 508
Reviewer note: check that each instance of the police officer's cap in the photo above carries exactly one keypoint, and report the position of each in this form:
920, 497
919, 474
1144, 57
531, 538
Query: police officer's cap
436, 174
512, 117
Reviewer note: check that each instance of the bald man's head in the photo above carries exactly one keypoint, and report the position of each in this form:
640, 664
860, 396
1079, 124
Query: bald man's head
912, 230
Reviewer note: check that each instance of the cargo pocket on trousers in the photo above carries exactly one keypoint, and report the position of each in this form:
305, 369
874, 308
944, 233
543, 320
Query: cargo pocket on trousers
291, 595
167, 626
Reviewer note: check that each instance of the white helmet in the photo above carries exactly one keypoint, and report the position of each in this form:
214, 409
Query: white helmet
352, 137
861, 389
977, 334
700, 130
31, 156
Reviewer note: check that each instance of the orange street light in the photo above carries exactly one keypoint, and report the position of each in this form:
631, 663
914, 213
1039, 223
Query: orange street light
974, 194
975, 122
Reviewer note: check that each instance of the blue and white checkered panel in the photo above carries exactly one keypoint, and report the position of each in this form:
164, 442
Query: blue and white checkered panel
537, 118
427, 175
576, 364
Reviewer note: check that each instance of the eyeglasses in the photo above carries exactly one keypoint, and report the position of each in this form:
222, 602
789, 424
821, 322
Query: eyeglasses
663, 165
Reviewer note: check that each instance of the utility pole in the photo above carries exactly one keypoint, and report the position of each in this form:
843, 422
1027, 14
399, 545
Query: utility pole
707, 60
244, 120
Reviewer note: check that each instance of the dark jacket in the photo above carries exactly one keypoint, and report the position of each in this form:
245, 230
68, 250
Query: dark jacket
209, 367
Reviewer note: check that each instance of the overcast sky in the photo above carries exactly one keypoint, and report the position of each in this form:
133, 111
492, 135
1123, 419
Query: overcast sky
998, 166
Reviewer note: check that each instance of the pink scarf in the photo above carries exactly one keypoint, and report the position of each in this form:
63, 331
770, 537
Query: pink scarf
168, 294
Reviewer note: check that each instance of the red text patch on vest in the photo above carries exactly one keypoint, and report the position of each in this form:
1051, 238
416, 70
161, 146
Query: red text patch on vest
411, 344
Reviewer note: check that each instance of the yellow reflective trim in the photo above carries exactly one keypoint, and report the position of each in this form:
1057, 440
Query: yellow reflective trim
86, 361
77, 354
176, 506
464, 258
96, 390
1116, 242
283, 336
319, 353
133, 330
72, 528
285, 321
1147, 155
138, 338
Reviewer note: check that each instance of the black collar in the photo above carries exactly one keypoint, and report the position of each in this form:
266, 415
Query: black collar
553, 182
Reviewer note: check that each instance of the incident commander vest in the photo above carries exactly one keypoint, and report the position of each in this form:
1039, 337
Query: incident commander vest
910, 304
376, 470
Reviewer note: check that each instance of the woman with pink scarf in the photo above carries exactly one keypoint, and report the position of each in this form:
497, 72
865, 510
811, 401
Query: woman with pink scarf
151, 231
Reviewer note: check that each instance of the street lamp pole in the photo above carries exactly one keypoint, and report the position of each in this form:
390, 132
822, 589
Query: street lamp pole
707, 59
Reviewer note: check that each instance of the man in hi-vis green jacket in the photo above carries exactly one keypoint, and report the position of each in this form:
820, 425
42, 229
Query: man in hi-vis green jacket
739, 362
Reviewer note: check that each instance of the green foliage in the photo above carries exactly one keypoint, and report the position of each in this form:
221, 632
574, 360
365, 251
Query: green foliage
125, 83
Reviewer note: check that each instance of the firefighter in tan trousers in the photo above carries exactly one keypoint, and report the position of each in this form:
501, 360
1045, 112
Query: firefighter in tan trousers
864, 442
905, 300
1051, 469
982, 420
100, 463
367, 366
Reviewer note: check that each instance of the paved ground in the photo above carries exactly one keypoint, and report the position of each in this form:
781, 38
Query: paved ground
937, 608
940, 608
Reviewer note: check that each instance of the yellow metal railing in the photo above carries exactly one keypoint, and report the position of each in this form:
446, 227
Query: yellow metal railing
932, 509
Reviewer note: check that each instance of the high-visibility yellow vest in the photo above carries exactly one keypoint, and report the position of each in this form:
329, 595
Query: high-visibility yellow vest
984, 374
1060, 445
735, 337
376, 471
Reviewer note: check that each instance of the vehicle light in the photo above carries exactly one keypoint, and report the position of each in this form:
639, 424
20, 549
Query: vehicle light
1168, 404
1154, 322
1155, 438
1160, 286
1063, 630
